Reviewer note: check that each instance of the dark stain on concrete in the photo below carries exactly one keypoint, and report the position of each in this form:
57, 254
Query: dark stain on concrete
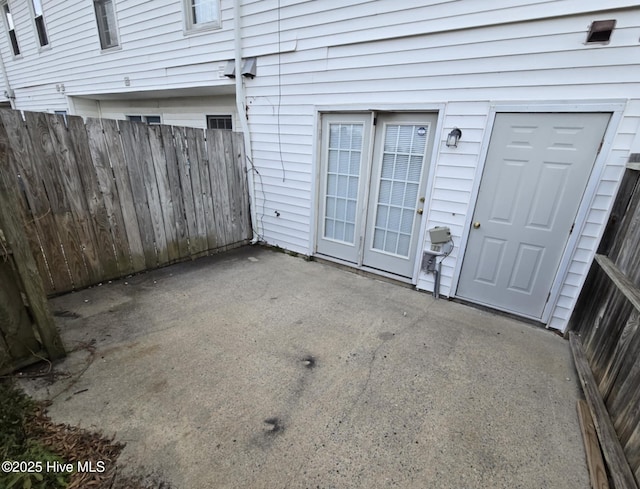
309, 362
275, 425
66, 314
159, 386
386, 336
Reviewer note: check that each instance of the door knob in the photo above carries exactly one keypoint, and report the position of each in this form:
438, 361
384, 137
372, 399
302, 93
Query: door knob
476, 225
419, 211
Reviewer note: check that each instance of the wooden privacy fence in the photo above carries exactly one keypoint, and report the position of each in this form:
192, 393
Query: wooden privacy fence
103, 199
27, 330
607, 326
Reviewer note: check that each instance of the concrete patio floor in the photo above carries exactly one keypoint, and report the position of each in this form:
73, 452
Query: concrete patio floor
255, 369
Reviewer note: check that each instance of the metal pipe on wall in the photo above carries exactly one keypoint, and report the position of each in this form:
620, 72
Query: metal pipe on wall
242, 115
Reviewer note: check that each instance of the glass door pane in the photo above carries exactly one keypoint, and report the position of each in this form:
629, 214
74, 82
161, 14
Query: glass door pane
400, 177
343, 180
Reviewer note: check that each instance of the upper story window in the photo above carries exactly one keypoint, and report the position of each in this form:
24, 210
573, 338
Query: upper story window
11, 29
202, 14
38, 18
106, 20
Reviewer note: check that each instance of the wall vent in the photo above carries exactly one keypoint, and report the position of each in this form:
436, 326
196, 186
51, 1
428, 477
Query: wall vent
600, 31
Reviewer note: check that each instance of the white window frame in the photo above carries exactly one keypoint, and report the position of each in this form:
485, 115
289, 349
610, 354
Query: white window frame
8, 29
113, 34
144, 118
34, 20
190, 24
225, 117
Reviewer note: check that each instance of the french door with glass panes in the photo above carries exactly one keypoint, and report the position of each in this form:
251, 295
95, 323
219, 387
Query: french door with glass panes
372, 186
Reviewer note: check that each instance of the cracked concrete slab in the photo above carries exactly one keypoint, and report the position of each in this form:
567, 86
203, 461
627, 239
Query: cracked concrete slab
255, 369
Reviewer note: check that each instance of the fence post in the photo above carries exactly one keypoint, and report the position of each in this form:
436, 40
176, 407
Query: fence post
11, 222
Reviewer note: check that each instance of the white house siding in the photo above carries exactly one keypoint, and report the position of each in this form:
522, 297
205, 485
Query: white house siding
178, 111
468, 62
596, 220
462, 57
154, 52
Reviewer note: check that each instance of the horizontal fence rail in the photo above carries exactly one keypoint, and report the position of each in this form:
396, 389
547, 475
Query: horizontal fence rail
104, 199
607, 319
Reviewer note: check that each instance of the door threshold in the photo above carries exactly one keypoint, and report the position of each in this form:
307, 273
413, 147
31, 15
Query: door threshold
501, 312
365, 271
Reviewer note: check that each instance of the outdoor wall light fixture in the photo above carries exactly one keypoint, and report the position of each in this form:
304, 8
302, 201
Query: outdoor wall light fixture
453, 137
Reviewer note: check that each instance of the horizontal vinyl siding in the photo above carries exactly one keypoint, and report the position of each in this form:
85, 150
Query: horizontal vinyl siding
598, 215
466, 69
185, 111
84, 107
454, 177
154, 51
462, 55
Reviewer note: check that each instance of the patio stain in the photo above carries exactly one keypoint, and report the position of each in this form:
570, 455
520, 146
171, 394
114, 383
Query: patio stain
159, 386
66, 314
386, 336
275, 426
309, 362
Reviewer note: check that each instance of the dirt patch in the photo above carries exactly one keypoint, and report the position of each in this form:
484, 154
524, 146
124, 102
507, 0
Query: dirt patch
62, 455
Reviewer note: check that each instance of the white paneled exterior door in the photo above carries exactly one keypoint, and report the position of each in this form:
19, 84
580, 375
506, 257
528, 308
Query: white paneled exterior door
535, 175
371, 201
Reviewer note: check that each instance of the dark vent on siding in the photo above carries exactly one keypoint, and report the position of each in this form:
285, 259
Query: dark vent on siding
600, 31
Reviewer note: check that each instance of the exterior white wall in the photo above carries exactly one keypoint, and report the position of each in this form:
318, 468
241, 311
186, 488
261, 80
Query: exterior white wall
155, 53
340, 65
464, 56
179, 111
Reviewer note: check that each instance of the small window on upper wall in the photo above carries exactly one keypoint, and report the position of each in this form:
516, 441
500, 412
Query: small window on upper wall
38, 18
63, 113
107, 25
11, 29
220, 122
202, 14
148, 119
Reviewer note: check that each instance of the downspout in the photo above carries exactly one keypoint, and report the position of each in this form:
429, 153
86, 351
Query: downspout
9, 93
242, 116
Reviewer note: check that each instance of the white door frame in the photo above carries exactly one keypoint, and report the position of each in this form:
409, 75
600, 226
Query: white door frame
616, 108
439, 109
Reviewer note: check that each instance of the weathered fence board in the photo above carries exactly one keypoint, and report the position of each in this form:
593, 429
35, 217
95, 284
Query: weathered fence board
103, 199
159, 159
217, 160
613, 452
26, 279
184, 168
59, 187
196, 184
96, 209
607, 317
39, 215
178, 221
136, 159
241, 188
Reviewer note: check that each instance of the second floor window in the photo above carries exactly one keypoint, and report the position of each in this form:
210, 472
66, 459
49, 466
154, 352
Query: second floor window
11, 29
202, 14
106, 20
38, 18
